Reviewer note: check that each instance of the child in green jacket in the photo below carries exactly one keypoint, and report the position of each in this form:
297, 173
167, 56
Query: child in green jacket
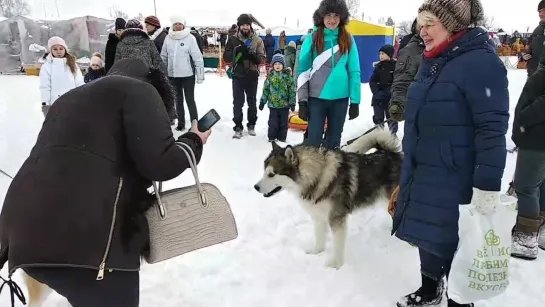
279, 94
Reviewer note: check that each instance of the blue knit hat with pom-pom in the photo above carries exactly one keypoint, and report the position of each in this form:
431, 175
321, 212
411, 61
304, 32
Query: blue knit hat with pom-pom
278, 58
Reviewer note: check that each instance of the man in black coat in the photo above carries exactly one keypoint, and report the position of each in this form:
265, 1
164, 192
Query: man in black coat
75, 211
111, 44
529, 137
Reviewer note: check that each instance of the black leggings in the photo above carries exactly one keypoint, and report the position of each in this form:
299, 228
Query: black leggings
81, 289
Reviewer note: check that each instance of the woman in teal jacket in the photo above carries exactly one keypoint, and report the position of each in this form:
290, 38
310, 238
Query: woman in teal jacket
328, 75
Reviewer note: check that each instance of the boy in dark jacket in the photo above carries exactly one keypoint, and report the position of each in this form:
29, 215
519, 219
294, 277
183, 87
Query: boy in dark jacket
279, 95
381, 83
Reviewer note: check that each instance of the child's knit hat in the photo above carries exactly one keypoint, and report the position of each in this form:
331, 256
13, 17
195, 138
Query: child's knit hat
278, 58
97, 59
388, 49
292, 44
56, 40
455, 15
541, 5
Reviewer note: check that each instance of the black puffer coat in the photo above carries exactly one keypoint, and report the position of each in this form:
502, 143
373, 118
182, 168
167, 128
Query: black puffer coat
100, 147
109, 53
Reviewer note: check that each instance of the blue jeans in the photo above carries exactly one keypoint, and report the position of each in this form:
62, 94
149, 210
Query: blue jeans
335, 112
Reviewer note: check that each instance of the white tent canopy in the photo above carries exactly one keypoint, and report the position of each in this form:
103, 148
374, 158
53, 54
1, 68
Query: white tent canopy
275, 31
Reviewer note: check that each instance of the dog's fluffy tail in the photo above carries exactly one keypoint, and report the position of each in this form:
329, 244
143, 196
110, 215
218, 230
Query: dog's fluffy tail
379, 138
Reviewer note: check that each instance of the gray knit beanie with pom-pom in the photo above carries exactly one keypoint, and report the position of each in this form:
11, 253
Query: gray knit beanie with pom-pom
455, 15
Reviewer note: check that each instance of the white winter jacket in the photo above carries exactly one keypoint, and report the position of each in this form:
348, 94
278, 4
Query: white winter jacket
178, 50
56, 78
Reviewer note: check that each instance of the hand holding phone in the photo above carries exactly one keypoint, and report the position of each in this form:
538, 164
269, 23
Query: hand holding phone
195, 129
208, 120
203, 126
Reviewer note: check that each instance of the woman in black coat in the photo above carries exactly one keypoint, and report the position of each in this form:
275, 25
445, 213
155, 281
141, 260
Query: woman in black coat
74, 215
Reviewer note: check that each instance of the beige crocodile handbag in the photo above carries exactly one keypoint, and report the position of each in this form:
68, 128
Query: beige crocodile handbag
189, 218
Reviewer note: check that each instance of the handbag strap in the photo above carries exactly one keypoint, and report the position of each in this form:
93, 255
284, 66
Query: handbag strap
192, 160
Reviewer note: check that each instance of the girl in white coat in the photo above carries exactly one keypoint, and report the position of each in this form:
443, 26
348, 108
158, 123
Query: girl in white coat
58, 74
185, 65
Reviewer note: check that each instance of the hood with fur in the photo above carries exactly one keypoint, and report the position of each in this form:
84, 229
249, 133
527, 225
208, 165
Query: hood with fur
331, 6
133, 36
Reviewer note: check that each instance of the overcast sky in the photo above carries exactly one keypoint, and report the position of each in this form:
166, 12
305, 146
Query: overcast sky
506, 14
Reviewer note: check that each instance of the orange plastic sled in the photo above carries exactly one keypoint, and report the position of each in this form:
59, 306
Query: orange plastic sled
295, 122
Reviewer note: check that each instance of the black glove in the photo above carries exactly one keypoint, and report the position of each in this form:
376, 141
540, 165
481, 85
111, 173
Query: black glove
396, 111
353, 111
303, 110
292, 108
261, 106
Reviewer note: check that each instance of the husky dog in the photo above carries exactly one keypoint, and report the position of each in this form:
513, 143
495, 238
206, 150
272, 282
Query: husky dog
334, 183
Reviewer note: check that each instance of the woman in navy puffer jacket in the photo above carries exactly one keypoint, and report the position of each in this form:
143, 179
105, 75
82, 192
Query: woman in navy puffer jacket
457, 114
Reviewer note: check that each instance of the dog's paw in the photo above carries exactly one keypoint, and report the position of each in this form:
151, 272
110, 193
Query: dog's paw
334, 263
315, 250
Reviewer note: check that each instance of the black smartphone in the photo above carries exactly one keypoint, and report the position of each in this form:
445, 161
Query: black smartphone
208, 120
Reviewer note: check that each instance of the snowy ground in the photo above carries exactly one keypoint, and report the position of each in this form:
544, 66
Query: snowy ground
266, 265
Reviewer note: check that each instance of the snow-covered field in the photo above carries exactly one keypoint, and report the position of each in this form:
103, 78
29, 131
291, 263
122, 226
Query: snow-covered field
266, 266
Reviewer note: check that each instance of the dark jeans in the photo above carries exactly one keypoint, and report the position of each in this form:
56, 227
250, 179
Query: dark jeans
381, 114
335, 112
81, 289
278, 124
246, 86
530, 183
185, 86
433, 266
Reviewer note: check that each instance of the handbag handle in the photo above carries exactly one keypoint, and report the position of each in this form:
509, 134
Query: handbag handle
158, 186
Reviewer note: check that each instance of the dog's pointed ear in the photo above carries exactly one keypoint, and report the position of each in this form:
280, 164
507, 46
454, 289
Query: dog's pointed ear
275, 146
290, 155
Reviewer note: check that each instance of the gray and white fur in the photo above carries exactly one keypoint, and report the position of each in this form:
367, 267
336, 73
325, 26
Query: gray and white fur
334, 183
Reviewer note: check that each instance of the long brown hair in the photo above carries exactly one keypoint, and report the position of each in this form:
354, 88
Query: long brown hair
345, 40
71, 62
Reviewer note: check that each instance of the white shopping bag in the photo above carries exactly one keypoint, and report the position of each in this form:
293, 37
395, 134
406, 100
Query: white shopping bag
480, 269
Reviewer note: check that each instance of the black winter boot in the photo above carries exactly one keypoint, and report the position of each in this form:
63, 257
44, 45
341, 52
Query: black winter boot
452, 303
430, 294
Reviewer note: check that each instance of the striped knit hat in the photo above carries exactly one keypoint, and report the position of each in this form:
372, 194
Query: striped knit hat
153, 21
455, 15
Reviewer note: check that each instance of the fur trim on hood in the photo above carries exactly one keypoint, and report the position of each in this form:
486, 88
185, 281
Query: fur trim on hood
331, 6
133, 32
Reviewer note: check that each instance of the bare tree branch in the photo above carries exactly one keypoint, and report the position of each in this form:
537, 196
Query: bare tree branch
353, 7
11, 8
404, 28
116, 12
